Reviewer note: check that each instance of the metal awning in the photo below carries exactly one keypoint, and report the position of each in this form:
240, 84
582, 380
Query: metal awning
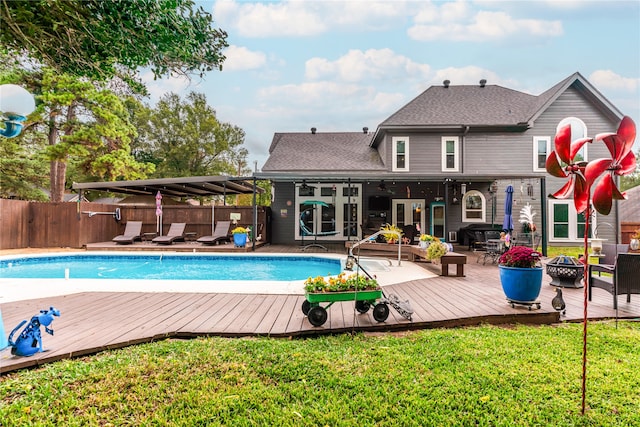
193, 186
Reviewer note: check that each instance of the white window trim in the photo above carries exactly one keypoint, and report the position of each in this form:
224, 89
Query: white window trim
566, 120
573, 223
464, 206
394, 160
456, 154
537, 139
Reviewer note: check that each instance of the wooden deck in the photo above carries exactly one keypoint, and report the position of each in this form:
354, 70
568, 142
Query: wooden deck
92, 322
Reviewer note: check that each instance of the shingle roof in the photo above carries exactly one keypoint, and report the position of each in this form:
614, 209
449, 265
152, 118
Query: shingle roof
308, 152
465, 105
629, 210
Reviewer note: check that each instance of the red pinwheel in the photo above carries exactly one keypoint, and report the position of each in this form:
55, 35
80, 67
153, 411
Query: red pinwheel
565, 152
622, 162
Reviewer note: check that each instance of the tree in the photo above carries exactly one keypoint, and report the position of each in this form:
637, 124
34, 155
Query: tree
633, 179
186, 138
100, 39
81, 125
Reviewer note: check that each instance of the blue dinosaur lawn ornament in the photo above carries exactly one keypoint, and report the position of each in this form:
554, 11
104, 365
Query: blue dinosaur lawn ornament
29, 341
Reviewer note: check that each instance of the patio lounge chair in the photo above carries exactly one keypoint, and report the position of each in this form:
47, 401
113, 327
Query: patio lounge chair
175, 233
220, 234
624, 278
132, 232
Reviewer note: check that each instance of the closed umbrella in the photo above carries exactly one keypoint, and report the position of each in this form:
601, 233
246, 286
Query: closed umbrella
507, 224
159, 213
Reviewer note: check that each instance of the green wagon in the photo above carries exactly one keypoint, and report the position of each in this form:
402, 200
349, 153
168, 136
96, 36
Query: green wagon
364, 300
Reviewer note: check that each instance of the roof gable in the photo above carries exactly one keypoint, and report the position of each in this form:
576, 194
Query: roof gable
576, 80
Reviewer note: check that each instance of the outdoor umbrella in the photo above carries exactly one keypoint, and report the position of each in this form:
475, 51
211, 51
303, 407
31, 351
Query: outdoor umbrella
159, 213
507, 224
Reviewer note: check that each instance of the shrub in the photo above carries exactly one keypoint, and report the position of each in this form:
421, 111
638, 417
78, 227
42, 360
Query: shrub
520, 256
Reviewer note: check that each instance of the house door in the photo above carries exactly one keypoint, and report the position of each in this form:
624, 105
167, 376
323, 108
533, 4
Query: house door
437, 220
408, 211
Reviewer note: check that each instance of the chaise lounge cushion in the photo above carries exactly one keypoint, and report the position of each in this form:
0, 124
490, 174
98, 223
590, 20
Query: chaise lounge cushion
132, 232
175, 233
220, 234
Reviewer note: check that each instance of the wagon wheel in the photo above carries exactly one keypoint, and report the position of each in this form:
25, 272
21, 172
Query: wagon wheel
381, 312
362, 306
306, 306
317, 316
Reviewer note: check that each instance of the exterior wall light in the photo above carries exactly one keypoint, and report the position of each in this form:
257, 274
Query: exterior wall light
16, 103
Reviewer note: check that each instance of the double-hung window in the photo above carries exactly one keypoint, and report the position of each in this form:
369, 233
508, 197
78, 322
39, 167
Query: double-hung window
566, 224
400, 153
450, 154
541, 149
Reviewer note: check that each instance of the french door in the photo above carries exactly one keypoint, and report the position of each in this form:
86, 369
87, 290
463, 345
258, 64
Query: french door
408, 212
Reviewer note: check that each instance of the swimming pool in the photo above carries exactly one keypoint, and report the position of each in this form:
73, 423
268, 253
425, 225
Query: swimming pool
169, 267
18, 289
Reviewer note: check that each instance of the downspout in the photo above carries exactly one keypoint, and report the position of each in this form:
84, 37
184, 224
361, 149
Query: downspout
349, 209
543, 214
255, 216
464, 134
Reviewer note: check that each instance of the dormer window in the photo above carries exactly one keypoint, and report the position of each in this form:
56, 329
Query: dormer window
400, 153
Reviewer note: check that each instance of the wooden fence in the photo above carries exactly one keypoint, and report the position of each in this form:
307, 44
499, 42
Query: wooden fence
56, 225
627, 229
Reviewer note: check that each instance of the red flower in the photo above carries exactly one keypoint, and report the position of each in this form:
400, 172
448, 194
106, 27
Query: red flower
565, 152
622, 162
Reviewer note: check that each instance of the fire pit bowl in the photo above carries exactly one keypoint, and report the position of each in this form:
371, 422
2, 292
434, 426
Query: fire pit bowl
566, 272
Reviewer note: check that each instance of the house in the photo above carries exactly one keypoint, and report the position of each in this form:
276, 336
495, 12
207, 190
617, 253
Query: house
442, 162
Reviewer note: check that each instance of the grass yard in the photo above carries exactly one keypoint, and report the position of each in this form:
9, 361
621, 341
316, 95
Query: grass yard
482, 376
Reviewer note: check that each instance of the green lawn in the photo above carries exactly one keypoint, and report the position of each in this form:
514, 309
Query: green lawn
482, 376
574, 251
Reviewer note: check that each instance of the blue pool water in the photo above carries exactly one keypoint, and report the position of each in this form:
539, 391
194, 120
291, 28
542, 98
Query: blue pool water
169, 267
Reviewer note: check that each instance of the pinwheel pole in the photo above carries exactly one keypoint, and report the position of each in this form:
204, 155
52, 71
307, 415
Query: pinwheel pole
582, 177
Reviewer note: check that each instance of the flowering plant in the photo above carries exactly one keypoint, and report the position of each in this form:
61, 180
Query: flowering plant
520, 256
436, 249
636, 234
389, 232
239, 230
340, 283
427, 238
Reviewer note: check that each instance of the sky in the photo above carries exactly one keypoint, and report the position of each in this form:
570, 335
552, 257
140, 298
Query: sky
340, 66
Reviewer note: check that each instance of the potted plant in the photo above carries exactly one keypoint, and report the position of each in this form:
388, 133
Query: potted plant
425, 240
239, 237
390, 233
521, 274
436, 249
634, 243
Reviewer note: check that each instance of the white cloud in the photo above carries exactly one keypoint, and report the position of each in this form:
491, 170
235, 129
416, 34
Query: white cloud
240, 58
269, 19
454, 21
158, 88
470, 75
308, 18
607, 79
356, 66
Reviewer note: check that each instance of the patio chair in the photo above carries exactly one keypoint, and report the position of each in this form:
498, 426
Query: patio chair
220, 234
480, 242
132, 232
175, 234
623, 279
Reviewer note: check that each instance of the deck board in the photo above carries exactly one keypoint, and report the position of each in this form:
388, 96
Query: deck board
91, 322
